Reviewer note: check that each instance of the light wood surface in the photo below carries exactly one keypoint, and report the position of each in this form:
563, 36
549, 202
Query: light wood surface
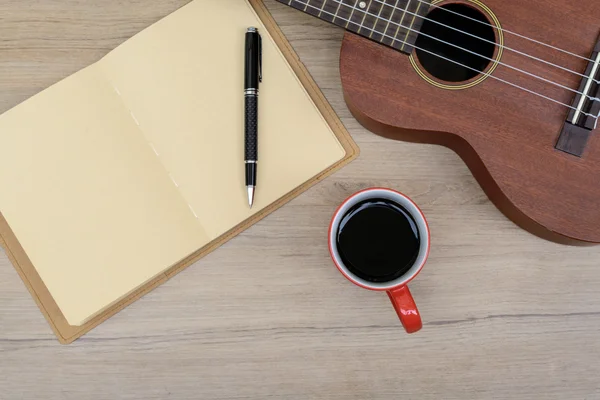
506, 315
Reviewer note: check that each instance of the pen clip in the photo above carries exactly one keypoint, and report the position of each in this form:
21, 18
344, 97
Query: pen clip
260, 60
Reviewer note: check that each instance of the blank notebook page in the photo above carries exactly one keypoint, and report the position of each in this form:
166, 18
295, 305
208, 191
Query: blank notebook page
122, 170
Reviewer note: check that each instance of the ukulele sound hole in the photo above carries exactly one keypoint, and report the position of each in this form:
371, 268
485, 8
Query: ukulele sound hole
457, 65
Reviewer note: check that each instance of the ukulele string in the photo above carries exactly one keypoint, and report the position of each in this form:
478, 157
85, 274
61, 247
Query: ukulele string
410, 29
470, 34
507, 31
471, 52
596, 117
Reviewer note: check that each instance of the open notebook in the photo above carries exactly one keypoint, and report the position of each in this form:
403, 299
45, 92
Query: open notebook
133, 167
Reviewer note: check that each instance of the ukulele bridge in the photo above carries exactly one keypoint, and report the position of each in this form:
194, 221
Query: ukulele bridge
583, 117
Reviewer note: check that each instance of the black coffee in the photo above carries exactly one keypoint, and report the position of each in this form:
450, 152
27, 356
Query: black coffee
378, 240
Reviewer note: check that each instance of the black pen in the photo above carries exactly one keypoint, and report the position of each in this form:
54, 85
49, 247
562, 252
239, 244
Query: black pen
252, 79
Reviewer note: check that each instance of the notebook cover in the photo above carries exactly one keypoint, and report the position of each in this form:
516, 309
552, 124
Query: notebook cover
67, 333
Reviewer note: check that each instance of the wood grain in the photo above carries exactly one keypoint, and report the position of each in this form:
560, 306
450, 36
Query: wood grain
507, 135
507, 315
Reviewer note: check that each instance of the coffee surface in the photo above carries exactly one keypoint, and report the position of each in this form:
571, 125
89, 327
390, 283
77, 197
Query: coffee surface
378, 240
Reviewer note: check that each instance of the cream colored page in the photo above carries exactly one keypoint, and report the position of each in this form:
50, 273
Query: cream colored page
87, 198
183, 77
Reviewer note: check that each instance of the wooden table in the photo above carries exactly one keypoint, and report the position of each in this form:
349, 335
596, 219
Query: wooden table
506, 314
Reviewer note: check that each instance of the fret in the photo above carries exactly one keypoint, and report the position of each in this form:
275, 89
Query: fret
394, 23
418, 22
345, 12
365, 13
410, 19
324, 15
307, 4
372, 12
331, 11
298, 5
336, 13
413, 17
318, 9
389, 29
379, 20
311, 7
362, 18
321, 9
355, 19
400, 27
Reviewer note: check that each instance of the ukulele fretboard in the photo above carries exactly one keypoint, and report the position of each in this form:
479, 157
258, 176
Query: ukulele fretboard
395, 23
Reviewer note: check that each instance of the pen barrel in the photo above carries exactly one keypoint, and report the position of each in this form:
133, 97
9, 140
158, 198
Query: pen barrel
253, 60
251, 128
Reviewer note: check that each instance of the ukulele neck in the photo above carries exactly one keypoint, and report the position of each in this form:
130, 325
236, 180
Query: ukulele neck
394, 23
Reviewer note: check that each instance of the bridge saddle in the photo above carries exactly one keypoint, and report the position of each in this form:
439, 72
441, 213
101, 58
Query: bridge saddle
583, 118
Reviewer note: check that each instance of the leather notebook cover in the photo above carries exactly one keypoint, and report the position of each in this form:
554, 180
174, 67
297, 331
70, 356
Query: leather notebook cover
122, 175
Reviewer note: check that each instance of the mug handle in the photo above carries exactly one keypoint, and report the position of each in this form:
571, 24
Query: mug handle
406, 308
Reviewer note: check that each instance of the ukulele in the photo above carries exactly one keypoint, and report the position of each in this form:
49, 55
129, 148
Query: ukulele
512, 86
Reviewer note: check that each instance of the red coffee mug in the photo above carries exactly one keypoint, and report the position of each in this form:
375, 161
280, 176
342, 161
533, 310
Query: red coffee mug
397, 289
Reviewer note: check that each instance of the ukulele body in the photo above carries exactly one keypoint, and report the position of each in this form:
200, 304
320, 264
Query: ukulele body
506, 136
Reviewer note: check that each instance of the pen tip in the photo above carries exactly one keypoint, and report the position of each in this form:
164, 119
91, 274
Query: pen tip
250, 196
